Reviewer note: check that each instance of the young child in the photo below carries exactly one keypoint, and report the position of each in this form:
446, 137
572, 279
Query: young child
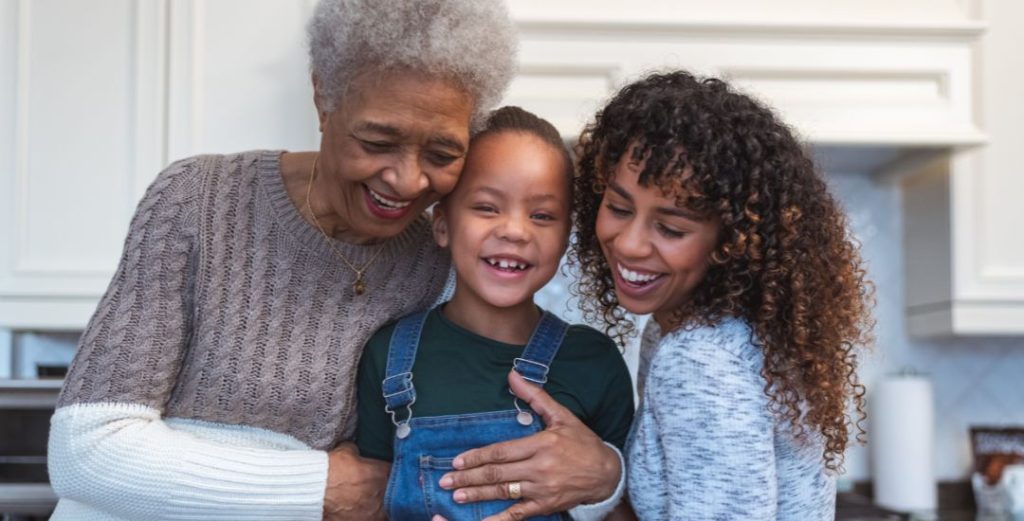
696, 205
434, 384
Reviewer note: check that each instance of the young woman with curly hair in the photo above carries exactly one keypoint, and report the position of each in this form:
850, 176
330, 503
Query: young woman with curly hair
696, 205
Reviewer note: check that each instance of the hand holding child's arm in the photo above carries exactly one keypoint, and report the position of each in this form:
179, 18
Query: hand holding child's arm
560, 467
355, 486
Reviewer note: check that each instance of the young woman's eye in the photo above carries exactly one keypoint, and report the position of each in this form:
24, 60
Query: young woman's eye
670, 233
621, 212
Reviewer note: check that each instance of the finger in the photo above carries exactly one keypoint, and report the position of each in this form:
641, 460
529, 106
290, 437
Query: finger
497, 474
491, 492
504, 452
437, 518
519, 511
540, 401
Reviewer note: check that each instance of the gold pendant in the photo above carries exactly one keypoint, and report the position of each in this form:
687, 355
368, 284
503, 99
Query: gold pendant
359, 286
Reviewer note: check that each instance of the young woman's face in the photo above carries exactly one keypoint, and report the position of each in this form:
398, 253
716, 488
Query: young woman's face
507, 222
392, 147
658, 253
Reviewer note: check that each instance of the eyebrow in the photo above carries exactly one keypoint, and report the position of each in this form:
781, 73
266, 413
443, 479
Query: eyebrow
378, 128
449, 142
391, 131
664, 210
542, 198
538, 198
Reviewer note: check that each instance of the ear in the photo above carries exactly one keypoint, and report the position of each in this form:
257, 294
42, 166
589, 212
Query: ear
440, 226
321, 112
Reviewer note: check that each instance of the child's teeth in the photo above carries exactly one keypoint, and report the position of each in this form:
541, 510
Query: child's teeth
506, 264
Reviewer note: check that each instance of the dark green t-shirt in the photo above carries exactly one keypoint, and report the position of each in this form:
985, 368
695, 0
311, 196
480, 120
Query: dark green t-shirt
459, 372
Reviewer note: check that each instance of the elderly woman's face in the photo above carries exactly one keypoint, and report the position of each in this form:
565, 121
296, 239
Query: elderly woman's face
391, 148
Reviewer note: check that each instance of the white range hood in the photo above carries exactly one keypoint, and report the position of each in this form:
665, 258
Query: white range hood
842, 72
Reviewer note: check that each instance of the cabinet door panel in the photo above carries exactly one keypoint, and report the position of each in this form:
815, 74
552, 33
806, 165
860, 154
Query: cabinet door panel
81, 114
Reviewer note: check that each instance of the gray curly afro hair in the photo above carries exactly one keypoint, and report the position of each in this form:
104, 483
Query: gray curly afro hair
470, 42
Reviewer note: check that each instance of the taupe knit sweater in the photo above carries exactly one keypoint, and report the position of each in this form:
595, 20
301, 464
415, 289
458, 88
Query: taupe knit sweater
228, 307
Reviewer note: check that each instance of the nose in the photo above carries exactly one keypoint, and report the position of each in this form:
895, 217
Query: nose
514, 228
406, 178
633, 241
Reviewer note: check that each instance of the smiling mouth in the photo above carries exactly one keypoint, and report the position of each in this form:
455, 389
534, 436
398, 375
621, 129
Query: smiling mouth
387, 204
509, 265
637, 279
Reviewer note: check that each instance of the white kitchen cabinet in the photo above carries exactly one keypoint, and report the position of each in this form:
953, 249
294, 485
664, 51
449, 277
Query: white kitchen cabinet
81, 119
964, 244
98, 95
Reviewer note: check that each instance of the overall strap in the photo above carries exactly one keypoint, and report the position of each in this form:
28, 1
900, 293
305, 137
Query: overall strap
536, 359
397, 385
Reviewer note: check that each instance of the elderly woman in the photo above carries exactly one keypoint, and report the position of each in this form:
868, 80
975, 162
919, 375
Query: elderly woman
216, 378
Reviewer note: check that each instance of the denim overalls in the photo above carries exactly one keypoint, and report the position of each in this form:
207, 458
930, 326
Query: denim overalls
424, 447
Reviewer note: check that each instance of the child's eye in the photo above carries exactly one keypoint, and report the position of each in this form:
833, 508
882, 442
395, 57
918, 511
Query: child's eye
484, 208
621, 212
670, 233
540, 216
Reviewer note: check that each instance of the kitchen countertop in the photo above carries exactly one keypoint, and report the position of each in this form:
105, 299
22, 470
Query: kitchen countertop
27, 498
956, 503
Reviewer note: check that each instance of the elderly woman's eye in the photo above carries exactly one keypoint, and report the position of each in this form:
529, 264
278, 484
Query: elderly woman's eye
376, 147
441, 159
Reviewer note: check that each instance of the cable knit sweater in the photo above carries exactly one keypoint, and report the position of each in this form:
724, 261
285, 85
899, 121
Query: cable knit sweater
221, 362
704, 444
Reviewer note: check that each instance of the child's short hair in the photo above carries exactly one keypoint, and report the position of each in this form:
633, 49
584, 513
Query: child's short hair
516, 119
786, 262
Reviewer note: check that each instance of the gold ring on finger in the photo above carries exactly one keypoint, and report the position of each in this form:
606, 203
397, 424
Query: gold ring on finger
515, 490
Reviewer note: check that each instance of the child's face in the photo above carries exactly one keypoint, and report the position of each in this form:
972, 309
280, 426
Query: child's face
657, 252
507, 222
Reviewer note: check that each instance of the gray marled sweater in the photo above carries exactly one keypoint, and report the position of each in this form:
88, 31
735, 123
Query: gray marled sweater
704, 445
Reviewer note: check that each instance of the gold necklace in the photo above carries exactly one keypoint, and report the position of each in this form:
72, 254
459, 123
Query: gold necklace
359, 287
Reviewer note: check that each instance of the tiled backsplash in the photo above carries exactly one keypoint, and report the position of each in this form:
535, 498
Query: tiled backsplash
977, 380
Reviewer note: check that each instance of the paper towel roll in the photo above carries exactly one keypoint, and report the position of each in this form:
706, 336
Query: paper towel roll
900, 438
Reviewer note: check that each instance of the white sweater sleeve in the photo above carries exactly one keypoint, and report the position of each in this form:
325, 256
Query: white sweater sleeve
598, 511
123, 459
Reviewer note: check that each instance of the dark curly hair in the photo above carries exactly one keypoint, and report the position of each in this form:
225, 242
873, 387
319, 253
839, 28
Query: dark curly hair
785, 262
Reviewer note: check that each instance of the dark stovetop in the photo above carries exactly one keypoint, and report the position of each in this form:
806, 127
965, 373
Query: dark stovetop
851, 506
955, 504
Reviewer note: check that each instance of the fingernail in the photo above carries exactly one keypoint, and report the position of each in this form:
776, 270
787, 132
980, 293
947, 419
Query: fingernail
459, 496
458, 463
446, 481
